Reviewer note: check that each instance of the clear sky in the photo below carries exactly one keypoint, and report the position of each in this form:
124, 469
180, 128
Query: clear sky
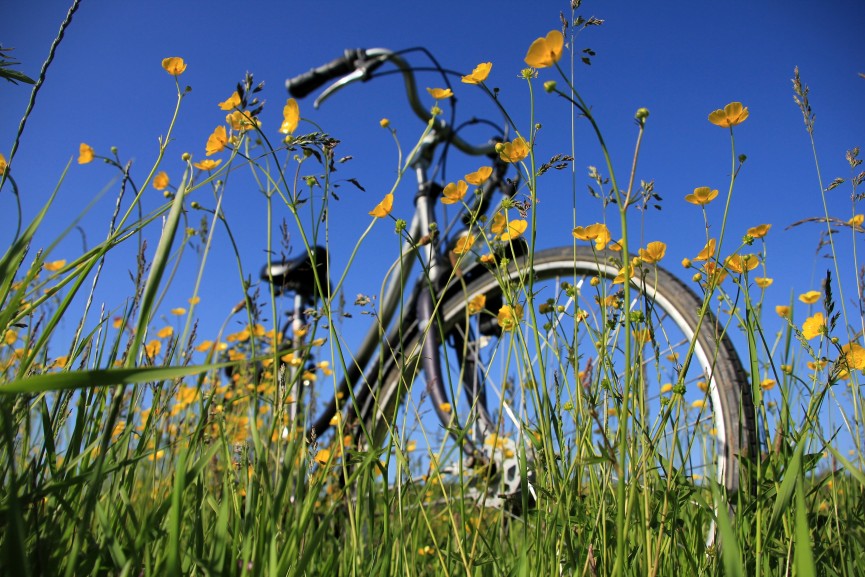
681, 59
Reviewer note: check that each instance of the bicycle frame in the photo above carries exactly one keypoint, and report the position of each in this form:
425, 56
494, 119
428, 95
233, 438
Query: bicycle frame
420, 248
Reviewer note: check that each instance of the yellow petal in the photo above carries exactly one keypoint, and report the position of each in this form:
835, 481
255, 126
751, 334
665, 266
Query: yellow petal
217, 141
479, 74
383, 208
85, 154
653, 252
440, 93
810, 297
231, 102
464, 244
545, 52
758, 231
477, 177
291, 116
813, 326
174, 65
160, 181
454, 192
513, 151
515, 229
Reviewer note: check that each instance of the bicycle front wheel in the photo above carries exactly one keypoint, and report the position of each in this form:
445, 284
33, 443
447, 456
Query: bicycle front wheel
548, 346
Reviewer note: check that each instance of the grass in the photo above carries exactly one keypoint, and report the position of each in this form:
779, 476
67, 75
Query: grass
146, 449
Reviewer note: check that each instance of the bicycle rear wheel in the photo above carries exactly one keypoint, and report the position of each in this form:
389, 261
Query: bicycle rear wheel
529, 348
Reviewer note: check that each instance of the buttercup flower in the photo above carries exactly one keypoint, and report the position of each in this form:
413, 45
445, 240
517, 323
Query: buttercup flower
810, 297
853, 359
479, 74
813, 326
85, 154
165, 332
857, 220
767, 384
733, 114
178, 311
440, 93
241, 121
231, 102
653, 252
217, 141
3, 164
707, 252
477, 304
54, 265
758, 231
207, 164
544, 52
739, 263
515, 229
477, 177
464, 244
597, 232
454, 192
782, 311
383, 208
160, 181
702, 196
174, 65
290, 116
513, 151
763, 282
510, 316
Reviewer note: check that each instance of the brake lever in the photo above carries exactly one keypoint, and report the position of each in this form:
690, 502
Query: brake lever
362, 73
358, 74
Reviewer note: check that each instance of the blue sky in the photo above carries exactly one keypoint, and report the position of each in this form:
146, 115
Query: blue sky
680, 59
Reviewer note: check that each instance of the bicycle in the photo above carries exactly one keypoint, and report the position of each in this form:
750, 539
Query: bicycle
493, 381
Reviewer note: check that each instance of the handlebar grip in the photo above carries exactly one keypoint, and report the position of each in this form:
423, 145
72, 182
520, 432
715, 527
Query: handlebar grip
303, 84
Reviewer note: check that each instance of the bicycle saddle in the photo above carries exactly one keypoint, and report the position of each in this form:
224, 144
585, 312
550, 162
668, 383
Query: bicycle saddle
298, 274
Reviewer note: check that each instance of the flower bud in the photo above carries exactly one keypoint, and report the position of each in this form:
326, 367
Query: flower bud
642, 115
550, 85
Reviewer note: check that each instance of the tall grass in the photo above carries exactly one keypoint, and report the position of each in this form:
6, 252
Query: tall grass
150, 450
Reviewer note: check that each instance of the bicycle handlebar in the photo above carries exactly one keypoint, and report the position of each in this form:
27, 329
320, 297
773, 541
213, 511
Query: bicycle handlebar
357, 65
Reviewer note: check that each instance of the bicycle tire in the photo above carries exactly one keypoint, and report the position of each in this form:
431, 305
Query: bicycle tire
730, 404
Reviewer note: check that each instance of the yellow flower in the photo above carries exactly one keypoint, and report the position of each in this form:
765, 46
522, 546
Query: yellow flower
782, 311
479, 74
10, 338
174, 65
160, 181
597, 232
653, 252
509, 317
707, 252
85, 154
739, 263
857, 220
767, 384
477, 177
513, 151
290, 116
763, 282
216, 142
515, 229
810, 297
758, 231
445, 407
194, 300
241, 120
384, 122
3, 164
702, 196
165, 332
544, 52
322, 457
54, 265
383, 208
207, 164
464, 244
454, 192
477, 304
813, 326
698, 404
733, 114
854, 358
204, 346
440, 93
231, 102
666, 388
497, 226
152, 348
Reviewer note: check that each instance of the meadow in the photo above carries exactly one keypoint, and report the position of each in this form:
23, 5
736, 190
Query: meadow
131, 444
